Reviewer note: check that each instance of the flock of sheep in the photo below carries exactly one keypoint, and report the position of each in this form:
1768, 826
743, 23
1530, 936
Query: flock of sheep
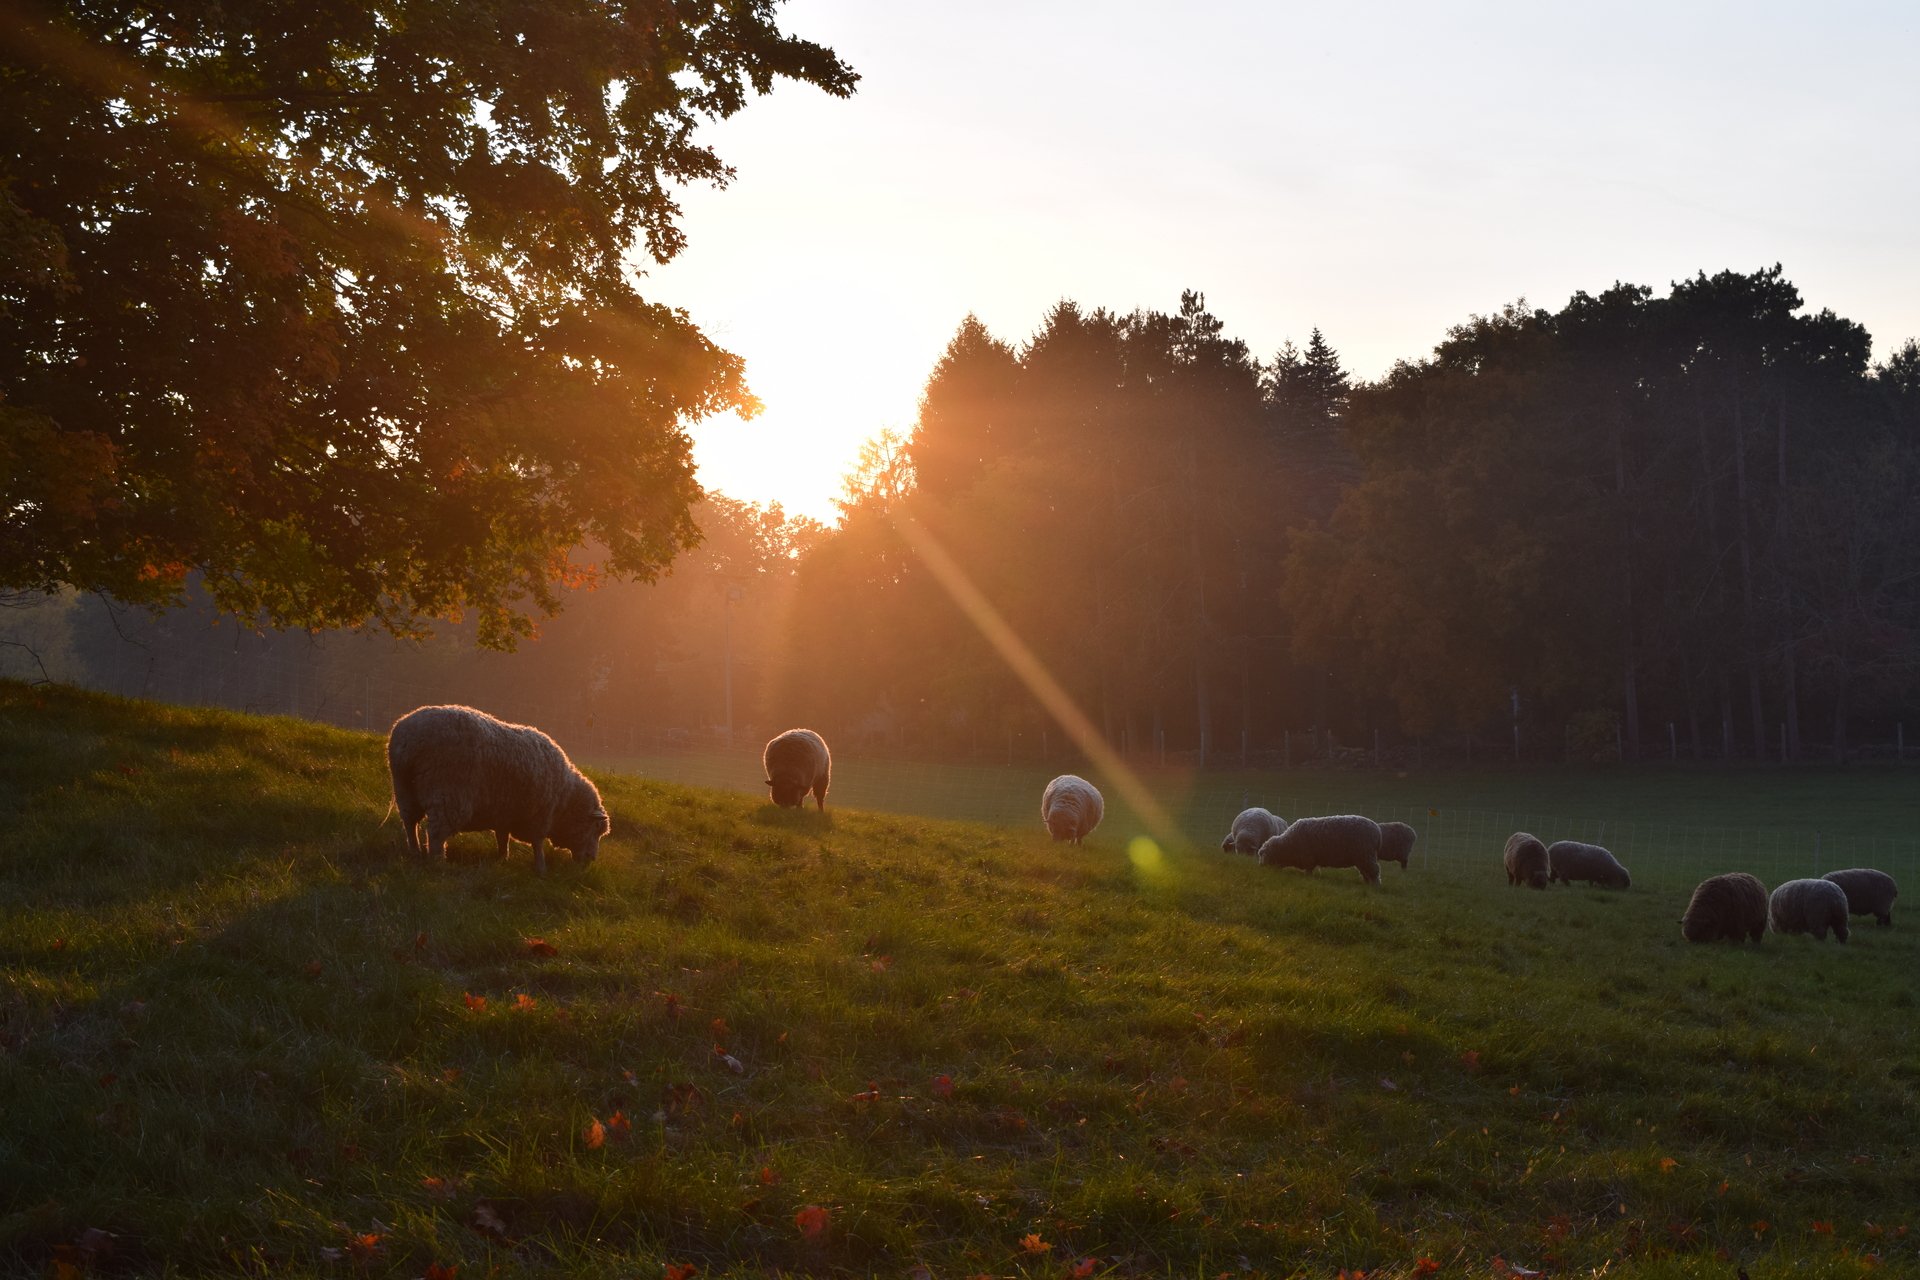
458, 769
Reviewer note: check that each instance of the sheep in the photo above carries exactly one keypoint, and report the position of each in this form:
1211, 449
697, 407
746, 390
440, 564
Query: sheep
1396, 842
463, 770
797, 762
1526, 860
1809, 906
1731, 906
1571, 860
1253, 828
1346, 840
1071, 807
1869, 892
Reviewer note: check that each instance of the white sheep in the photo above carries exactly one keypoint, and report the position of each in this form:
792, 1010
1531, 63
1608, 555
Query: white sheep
1071, 807
463, 770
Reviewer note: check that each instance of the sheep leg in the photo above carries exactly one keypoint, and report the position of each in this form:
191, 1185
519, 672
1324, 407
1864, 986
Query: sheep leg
820, 798
540, 853
500, 838
437, 836
1885, 919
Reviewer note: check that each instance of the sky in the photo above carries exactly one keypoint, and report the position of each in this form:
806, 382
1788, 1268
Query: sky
1380, 171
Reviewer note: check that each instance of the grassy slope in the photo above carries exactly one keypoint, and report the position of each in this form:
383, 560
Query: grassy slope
234, 1032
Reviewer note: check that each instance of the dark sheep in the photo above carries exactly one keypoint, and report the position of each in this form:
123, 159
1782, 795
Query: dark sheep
1346, 840
1730, 907
1071, 807
1251, 829
1869, 892
1526, 860
797, 762
1396, 842
1809, 906
1571, 860
463, 770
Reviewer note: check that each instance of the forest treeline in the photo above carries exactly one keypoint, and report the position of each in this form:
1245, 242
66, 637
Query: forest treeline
1638, 525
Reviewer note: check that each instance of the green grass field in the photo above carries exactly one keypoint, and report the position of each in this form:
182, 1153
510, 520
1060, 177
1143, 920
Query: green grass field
241, 1033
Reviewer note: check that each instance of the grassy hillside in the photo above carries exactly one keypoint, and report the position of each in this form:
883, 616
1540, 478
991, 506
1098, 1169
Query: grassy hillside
241, 1033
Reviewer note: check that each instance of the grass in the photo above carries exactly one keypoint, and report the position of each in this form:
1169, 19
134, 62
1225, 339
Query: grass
241, 1033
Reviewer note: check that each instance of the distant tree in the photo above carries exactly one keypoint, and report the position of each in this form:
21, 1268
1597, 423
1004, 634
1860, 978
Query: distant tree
969, 414
1306, 390
332, 304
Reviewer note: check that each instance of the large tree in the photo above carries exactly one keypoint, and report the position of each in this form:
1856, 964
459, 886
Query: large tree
335, 303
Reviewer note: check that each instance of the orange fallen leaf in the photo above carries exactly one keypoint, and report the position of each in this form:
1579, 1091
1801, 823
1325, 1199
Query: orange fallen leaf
618, 1125
1668, 1164
1822, 1228
476, 1003
58, 944
1032, 1243
594, 1135
524, 1002
541, 947
365, 1245
813, 1221
943, 1086
1083, 1268
1761, 1227
1472, 1059
1722, 1188
681, 1271
870, 1094
768, 1175
440, 1188
439, 1271
1425, 1266
719, 1028
1873, 1230
671, 1001
1514, 1092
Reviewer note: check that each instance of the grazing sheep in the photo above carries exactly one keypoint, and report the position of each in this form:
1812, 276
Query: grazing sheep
797, 762
1869, 892
1571, 860
1396, 842
1526, 860
1253, 828
1810, 906
1071, 807
1732, 906
1347, 840
463, 770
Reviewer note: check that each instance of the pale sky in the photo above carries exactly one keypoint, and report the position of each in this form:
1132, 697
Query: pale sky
1378, 170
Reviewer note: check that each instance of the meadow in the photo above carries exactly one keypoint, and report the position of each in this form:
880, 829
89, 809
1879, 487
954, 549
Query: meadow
242, 1033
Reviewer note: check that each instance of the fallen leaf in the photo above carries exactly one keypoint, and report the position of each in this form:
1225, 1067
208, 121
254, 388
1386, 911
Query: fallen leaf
441, 1188
813, 1222
618, 1125
594, 1135
439, 1271
364, 1246
943, 1086
1084, 1268
671, 1001
524, 1002
1761, 1227
1514, 1092
476, 1003
58, 944
487, 1222
768, 1175
420, 942
1472, 1059
541, 947
1722, 1188
719, 1028
870, 1094
1668, 1164
1032, 1243
1425, 1266
1873, 1230
681, 1271
1822, 1228
882, 963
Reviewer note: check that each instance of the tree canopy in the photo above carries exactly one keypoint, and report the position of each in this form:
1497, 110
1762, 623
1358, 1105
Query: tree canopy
335, 304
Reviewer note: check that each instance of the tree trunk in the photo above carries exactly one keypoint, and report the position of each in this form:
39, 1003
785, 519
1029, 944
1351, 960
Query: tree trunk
1749, 624
1790, 692
1203, 629
1629, 684
1840, 722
